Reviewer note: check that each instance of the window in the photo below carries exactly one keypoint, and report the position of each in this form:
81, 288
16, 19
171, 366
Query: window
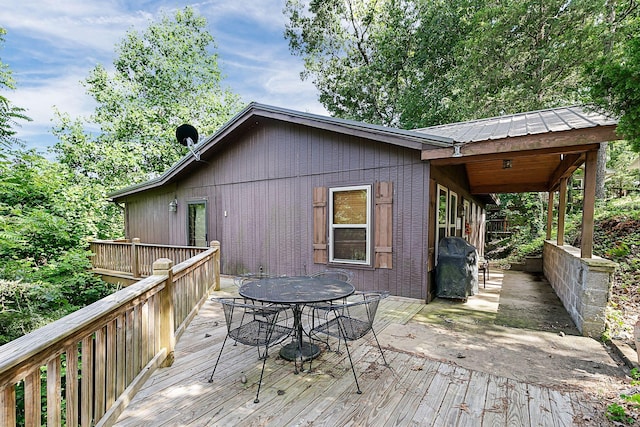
354, 225
453, 213
197, 224
466, 227
448, 222
350, 225
441, 221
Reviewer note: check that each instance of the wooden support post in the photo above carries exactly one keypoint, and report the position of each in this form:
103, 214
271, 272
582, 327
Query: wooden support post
550, 215
588, 204
135, 264
164, 267
216, 265
562, 210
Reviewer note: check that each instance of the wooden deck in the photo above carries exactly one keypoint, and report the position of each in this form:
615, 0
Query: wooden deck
414, 391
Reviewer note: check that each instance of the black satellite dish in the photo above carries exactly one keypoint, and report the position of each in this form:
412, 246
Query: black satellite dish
187, 135
186, 132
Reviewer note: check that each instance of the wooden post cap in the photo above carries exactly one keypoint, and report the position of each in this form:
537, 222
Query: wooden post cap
162, 264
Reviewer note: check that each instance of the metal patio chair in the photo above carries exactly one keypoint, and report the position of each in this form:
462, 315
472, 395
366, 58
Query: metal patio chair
254, 325
249, 277
322, 307
344, 275
350, 321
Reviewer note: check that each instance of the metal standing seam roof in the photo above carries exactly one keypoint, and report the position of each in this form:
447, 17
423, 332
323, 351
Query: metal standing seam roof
522, 124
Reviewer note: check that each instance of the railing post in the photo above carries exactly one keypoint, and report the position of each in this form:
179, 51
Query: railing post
163, 267
216, 265
135, 265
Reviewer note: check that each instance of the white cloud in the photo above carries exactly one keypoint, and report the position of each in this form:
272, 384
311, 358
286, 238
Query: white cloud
266, 13
60, 42
72, 24
65, 93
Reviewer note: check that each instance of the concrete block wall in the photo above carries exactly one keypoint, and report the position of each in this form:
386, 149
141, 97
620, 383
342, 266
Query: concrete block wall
582, 284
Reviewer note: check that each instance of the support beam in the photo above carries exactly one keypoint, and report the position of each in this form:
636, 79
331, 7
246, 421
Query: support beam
567, 167
550, 215
588, 204
548, 140
562, 209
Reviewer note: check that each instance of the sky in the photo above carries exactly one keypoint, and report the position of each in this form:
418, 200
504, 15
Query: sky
51, 46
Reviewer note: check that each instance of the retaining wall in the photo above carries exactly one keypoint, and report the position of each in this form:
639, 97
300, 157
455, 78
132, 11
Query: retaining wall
582, 284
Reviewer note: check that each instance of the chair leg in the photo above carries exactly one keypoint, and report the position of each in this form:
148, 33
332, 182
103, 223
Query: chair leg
379, 348
217, 360
353, 369
264, 361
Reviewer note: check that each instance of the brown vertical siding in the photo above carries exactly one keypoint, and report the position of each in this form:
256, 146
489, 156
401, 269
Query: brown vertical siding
149, 218
264, 180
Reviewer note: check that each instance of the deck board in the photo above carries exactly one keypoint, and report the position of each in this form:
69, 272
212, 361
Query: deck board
415, 390
496, 402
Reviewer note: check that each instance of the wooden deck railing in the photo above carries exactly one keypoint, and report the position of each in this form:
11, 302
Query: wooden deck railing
93, 361
135, 258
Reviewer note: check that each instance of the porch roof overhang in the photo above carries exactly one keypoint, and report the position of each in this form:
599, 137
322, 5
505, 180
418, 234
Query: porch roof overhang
527, 152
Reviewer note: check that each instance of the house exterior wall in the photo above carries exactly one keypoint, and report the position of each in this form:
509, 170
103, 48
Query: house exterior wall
148, 215
258, 189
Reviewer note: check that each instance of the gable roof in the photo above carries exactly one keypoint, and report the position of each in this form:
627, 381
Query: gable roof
246, 118
521, 124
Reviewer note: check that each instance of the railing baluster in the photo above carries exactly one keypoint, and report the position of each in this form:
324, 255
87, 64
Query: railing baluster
32, 403
120, 354
99, 379
54, 392
86, 403
110, 369
129, 346
71, 384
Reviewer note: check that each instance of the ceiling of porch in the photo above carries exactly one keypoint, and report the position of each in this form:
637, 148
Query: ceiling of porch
521, 152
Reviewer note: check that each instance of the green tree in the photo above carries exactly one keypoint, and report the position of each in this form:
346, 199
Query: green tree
47, 212
164, 76
9, 113
385, 62
526, 55
416, 63
614, 77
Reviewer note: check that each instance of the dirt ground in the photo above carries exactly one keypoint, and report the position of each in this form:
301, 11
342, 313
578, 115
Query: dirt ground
519, 330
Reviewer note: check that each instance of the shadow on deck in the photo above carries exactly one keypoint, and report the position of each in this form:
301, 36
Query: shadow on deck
451, 363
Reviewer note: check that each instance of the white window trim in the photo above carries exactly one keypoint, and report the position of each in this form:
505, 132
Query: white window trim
445, 226
367, 226
452, 210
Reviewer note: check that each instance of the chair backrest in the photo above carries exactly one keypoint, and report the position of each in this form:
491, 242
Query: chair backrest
344, 275
356, 317
248, 277
252, 324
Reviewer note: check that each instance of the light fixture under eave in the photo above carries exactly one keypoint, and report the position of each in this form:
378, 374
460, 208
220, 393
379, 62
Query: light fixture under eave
173, 205
506, 164
456, 150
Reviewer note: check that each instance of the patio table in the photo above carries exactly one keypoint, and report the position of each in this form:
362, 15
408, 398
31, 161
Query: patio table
297, 291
